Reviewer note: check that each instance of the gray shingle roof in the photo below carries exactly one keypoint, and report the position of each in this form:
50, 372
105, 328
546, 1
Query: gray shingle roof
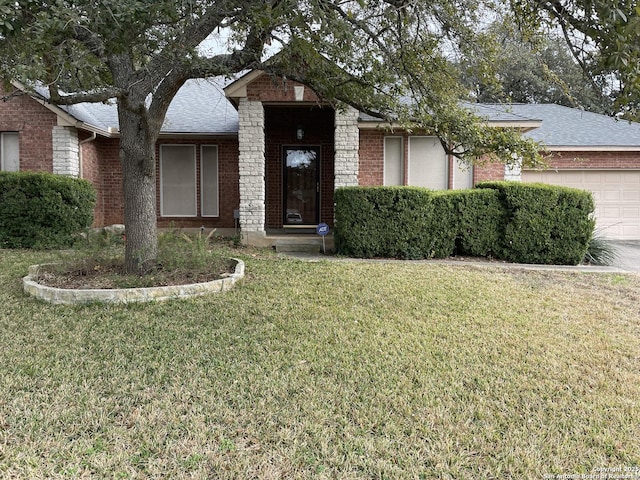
571, 127
199, 107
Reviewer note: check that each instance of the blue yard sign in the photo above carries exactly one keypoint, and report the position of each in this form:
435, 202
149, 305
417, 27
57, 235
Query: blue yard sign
322, 229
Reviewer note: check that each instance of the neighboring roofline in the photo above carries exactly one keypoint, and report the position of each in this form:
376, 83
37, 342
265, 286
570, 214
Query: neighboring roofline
64, 118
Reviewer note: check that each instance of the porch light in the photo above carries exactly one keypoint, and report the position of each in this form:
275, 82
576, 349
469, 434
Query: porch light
299, 132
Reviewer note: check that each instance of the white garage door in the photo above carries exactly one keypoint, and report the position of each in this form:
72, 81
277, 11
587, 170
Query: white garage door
616, 194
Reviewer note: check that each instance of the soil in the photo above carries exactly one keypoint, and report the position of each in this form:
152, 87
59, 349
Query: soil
114, 276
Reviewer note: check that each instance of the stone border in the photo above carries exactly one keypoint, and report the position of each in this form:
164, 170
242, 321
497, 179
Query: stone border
127, 295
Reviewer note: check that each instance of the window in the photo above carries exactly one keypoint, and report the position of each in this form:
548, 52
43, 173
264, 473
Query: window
178, 181
427, 163
393, 161
462, 175
9, 152
209, 181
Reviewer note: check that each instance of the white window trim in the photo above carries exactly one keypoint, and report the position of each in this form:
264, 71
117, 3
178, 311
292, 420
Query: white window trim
195, 181
217, 214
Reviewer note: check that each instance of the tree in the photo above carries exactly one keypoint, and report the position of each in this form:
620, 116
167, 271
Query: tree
603, 36
370, 54
532, 70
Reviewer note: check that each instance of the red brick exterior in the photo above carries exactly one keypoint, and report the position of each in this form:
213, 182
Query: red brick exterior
275, 90
571, 160
101, 166
34, 124
594, 159
488, 172
371, 157
283, 114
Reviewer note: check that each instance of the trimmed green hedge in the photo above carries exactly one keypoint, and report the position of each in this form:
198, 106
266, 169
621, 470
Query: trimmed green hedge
528, 223
546, 223
482, 219
42, 210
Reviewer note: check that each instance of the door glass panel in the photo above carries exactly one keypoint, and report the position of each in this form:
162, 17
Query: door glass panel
301, 181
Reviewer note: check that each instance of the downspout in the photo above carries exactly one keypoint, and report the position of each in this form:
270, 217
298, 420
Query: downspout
80, 144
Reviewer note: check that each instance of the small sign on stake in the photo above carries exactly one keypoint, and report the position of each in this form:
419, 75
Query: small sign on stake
322, 229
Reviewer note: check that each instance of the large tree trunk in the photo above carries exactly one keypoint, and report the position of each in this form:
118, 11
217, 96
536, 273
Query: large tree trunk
137, 156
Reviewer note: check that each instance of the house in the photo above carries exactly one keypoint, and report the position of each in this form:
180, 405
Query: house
266, 155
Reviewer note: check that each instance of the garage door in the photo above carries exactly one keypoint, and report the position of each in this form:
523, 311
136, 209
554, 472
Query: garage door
616, 194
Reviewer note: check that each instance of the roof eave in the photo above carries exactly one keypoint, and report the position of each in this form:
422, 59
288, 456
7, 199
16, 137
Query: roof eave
524, 126
65, 119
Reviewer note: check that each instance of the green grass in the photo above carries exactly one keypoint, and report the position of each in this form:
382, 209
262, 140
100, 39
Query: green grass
326, 370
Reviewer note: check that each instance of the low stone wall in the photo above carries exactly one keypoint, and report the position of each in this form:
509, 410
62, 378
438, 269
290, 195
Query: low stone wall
127, 295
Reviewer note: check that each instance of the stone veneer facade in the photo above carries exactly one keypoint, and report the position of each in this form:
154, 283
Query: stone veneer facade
66, 151
346, 147
251, 163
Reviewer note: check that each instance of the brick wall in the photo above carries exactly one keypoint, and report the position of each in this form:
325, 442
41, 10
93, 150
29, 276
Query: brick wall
371, 155
272, 89
488, 172
566, 160
34, 124
579, 160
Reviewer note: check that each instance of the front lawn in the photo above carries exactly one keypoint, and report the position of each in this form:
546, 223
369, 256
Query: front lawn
327, 370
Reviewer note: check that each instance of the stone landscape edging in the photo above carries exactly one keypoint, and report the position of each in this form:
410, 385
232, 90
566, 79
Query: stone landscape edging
127, 295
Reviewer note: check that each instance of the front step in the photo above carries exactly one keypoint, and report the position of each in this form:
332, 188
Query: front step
296, 246
302, 245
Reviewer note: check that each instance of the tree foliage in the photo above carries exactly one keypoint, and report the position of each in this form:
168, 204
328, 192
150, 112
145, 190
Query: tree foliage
531, 69
389, 57
603, 35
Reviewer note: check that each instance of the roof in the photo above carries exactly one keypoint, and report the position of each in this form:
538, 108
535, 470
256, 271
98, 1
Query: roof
202, 108
494, 114
199, 108
572, 128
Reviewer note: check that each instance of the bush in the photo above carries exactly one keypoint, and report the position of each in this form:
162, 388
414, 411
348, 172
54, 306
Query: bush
42, 210
395, 222
545, 224
482, 219
526, 223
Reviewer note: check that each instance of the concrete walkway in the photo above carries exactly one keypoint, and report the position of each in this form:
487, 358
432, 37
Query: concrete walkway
628, 255
627, 261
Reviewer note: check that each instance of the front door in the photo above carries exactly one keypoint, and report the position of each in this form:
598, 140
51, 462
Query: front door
301, 185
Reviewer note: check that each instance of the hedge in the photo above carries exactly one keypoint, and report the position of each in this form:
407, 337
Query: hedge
546, 223
42, 210
527, 223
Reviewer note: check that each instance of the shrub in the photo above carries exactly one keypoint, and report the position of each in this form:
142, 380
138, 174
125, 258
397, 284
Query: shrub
42, 210
545, 224
481, 218
601, 250
397, 222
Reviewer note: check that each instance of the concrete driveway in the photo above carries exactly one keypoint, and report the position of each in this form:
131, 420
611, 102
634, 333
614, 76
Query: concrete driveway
628, 255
